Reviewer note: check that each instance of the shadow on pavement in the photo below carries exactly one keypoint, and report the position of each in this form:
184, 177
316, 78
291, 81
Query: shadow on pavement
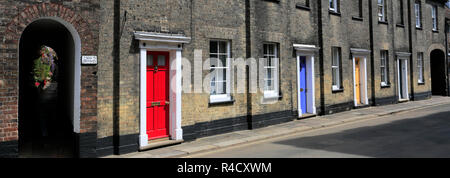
427, 136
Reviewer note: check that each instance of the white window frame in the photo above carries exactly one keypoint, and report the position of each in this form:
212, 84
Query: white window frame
420, 68
382, 16
217, 98
434, 17
335, 5
275, 68
336, 54
417, 12
384, 68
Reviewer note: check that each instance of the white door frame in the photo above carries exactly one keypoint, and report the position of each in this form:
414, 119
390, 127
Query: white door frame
308, 51
404, 83
403, 56
149, 41
362, 55
362, 80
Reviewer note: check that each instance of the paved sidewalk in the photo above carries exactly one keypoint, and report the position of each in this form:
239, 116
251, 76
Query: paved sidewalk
247, 136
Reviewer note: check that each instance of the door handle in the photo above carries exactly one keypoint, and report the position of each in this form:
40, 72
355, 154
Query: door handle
301, 89
167, 103
156, 103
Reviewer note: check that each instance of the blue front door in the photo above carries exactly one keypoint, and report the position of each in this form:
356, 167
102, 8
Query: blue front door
302, 89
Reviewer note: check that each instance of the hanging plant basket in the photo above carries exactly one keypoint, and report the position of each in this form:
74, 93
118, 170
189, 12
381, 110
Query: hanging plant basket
44, 67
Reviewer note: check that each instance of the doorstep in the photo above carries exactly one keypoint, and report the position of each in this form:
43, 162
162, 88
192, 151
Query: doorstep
403, 100
159, 143
360, 106
305, 116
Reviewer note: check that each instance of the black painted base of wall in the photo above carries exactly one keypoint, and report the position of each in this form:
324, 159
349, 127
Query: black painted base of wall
85, 144
386, 101
9, 149
216, 127
422, 96
126, 144
122, 145
336, 108
105, 146
264, 120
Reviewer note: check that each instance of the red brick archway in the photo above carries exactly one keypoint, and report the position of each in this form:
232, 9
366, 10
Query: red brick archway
9, 91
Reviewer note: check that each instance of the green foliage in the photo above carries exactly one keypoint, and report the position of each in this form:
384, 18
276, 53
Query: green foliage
44, 67
41, 71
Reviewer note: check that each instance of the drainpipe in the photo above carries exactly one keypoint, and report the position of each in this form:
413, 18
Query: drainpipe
116, 77
446, 56
372, 65
411, 76
322, 80
248, 53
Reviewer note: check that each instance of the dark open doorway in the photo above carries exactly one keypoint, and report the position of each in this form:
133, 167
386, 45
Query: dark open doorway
45, 126
438, 79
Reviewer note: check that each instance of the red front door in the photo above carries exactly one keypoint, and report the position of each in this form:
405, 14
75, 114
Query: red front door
157, 95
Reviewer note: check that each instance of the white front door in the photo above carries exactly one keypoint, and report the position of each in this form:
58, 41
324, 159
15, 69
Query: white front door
403, 79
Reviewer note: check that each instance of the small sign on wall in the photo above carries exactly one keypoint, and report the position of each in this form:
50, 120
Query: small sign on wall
89, 60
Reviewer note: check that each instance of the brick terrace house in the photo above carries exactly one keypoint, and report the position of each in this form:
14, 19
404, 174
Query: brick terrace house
165, 70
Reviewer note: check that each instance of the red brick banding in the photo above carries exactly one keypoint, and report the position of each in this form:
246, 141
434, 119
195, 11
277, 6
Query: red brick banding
9, 70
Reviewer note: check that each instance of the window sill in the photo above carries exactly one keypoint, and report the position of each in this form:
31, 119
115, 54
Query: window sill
400, 25
421, 83
383, 22
271, 95
358, 18
435, 31
271, 99
385, 85
334, 13
298, 6
221, 102
220, 99
418, 28
338, 90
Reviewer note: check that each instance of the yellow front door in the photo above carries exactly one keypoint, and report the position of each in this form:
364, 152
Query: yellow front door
357, 81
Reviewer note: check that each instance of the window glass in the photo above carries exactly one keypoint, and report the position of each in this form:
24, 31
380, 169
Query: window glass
400, 13
270, 67
219, 66
384, 67
161, 60
334, 5
434, 17
335, 66
418, 14
149, 60
420, 67
213, 47
381, 10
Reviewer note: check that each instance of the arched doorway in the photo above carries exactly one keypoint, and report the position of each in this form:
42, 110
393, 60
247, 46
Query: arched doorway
438, 73
47, 118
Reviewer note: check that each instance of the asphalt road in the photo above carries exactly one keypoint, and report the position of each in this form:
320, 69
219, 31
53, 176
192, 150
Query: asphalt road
413, 134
